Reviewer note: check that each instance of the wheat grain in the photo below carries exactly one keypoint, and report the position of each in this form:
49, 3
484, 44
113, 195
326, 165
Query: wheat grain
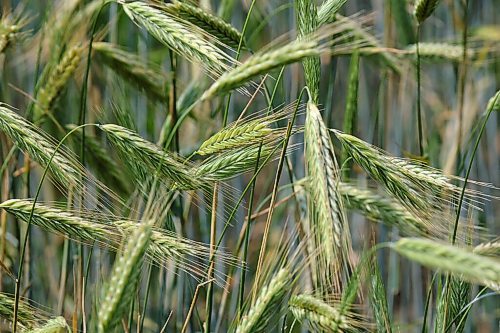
8, 35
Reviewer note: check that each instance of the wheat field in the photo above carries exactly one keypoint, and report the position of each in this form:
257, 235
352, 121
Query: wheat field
249, 166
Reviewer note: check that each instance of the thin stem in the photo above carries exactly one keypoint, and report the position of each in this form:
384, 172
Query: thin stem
469, 168
210, 293
462, 82
224, 123
419, 107
241, 290
271, 204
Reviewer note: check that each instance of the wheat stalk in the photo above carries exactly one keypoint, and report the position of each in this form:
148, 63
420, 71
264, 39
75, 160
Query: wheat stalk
124, 276
464, 264
307, 24
177, 35
320, 315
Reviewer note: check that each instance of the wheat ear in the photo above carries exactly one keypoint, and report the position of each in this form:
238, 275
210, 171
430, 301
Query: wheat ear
424, 9
261, 63
409, 181
133, 69
270, 296
124, 276
326, 211
465, 264
146, 158
328, 9
440, 51
320, 315
58, 78
38, 145
236, 136
389, 212
27, 317
233, 162
55, 325
177, 35
491, 248
206, 21
105, 231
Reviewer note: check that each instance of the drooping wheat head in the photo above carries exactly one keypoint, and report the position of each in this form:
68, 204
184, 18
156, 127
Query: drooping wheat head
206, 21
179, 35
